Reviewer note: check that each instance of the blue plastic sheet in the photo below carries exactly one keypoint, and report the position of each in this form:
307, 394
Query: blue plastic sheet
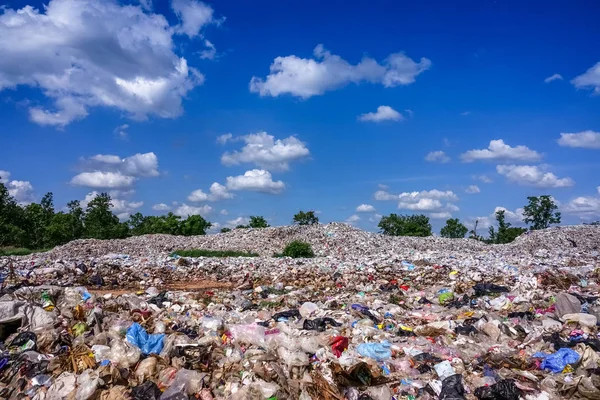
557, 362
376, 351
148, 344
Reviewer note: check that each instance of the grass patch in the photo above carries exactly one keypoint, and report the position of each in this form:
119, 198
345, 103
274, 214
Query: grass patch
20, 251
213, 253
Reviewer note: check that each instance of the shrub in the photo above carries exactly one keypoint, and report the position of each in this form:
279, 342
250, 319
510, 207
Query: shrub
298, 249
306, 218
405, 225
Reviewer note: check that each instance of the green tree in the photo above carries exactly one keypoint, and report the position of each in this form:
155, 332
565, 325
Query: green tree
194, 225
298, 249
258, 222
454, 229
506, 233
225, 230
405, 225
541, 212
242, 227
77, 215
99, 220
36, 223
305, 218
11, 220
60, 229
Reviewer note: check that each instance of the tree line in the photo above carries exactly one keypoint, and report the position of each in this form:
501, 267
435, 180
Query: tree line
540, 213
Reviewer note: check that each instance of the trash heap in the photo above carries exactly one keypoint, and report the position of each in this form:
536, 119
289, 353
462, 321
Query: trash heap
370, 317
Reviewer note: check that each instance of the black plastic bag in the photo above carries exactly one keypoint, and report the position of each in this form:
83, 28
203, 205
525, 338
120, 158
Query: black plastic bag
319, 324
146, 391
452, 388
465, 330
287, 314
527, 315
22, 339
159, 299
503, 390
482, 289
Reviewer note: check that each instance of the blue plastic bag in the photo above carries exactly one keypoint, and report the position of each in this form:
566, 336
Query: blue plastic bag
558, 361
148, 344
376, 351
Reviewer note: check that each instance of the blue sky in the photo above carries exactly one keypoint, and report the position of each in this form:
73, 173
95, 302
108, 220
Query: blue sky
443, 109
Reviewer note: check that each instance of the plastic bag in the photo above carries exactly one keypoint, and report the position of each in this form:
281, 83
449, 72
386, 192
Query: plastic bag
186, 382
338, 345
87, 383
307, 309
566, 304
376, 351
146, 391
482, 289
62, 386
557, 362
166, 377
503, 390
123, 354
588, 320
148, 344
101, 352
145, 369
250, 333
444, 370
319, 324
452, 388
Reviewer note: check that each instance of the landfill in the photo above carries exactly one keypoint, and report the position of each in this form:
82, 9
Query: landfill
369, 317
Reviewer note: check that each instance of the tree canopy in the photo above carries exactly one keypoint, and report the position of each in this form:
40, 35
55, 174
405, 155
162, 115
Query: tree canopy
405, 225
541, 212
454, 229
258, 222
305, 218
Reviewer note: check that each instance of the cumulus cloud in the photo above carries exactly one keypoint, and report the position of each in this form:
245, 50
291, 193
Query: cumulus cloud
161, 207
224, 212
555, 77
383, 113
4, 176
352, 219
238, 221
483, 178
222, 139
210, 53
472, 189
100, 179
498, 150
585, 207
122, 208
307, 77
216, 192
432, 201
256, 180
532, 175
365, 208
113, 172
440, 215
437, 156
586, 139
94, 53
263, 150
589, 79
514, 217
194, 15
121, 131
22, 191
184, 210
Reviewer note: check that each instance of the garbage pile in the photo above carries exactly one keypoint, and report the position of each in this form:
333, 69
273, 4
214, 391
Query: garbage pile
370, 317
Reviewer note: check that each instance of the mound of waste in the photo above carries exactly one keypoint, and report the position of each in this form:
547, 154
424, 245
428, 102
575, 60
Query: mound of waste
370, 317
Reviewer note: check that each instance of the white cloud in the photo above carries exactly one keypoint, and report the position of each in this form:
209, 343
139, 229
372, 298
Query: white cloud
197, 195
428, 194
224, 212
146, 4
121, 131
100, 179
589, 79
437, 156
514, 217
263, 150
554, 77
110, 171
472, 189
382, 186
238, 221
352, 219
365, 208
194, 15
498, 150
217, 192
375, 218
185, 210
586, 207
421, 205
95, 53
210, 52
483, 178
383, 195
222, 139
22, 191
384, 113
122, 208
161, 207
256, 180
586, 139
4, 176
532, 175
306, 77
440, 215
